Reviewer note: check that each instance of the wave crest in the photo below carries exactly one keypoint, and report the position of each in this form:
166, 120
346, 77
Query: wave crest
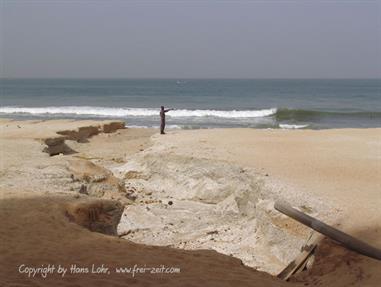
292, 127
134, 112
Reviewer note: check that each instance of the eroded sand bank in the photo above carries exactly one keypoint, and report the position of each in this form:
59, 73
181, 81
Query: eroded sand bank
228, 181
204, 189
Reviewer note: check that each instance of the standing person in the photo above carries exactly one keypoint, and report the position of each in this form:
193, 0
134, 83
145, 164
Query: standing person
162, 117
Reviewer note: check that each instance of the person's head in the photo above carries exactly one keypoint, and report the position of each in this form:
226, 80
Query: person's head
162, 107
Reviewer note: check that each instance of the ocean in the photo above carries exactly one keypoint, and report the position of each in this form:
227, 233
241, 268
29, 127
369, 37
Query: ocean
286, 104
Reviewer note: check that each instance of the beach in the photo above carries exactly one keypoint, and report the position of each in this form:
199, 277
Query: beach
88, 193
190, 143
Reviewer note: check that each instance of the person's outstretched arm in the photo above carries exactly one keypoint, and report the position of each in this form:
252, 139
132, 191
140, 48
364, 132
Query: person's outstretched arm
167, 110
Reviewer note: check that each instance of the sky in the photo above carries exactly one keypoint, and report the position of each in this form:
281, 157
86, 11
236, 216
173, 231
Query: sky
190, 39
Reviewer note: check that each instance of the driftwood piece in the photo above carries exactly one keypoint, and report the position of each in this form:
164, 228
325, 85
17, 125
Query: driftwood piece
345, 239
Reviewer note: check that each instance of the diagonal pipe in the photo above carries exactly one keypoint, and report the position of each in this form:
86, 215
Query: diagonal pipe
345, 239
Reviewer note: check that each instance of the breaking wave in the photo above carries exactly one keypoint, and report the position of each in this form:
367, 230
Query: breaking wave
292, 127
134, 112
283, 118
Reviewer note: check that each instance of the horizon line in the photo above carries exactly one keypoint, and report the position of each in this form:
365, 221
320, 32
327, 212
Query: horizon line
188, 78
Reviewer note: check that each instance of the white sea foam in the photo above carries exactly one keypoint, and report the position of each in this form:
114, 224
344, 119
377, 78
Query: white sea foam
292, 127
223, 114
134, 112
174, 127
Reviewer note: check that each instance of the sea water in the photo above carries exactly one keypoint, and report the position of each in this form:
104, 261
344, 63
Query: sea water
287, 104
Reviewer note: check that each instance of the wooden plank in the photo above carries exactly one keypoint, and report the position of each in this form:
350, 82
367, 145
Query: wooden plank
300, 261
346, 240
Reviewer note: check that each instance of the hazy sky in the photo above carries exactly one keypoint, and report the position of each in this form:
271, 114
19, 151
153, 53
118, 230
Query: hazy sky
190, 39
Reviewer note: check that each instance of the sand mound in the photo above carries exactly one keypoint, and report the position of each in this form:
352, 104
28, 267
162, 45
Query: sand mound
196, 203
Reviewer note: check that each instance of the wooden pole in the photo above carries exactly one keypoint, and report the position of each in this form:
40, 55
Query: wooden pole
333, 233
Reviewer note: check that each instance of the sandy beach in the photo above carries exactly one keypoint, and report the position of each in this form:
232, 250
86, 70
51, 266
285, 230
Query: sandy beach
89, 193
